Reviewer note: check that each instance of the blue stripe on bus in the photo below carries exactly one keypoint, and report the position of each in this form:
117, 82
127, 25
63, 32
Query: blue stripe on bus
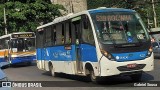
39, 53
55, 53
23, 59
86, 52
120, 57
110, 10
2, 60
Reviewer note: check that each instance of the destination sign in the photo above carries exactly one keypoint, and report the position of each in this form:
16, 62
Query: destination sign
23, 35
114, 17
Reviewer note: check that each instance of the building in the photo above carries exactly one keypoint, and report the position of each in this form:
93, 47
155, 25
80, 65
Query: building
72, 6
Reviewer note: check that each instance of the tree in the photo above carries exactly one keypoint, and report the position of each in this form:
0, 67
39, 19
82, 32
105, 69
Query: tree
26, 15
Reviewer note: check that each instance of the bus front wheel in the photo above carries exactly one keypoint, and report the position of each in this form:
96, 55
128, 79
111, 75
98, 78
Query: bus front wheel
52, 71
93, 78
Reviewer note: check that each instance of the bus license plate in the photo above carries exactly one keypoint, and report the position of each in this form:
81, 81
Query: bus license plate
131, 65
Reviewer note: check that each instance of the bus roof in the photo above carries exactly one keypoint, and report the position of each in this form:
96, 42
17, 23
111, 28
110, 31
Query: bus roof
63, 18
110, 10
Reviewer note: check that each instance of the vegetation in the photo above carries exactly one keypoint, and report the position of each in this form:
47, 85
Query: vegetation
26, 15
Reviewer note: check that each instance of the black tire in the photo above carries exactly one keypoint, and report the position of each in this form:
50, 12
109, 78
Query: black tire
5, 67
93, 78
136, 77
52, 72
6, 58
29, 63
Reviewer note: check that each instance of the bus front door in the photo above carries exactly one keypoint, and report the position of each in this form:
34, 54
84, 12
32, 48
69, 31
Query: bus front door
7, 55
77, 28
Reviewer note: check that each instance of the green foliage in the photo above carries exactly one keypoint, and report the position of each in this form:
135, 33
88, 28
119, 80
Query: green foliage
26, 15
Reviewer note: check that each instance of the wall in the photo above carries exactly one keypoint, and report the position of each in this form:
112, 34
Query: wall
72, 6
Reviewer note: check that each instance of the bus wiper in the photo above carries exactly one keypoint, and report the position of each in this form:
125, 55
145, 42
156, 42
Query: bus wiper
128, 45
114, 43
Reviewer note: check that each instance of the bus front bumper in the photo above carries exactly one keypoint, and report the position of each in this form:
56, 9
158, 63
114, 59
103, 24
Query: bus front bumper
110, 68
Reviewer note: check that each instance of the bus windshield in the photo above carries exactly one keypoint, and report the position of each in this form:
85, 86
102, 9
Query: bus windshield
119, 27
23, 44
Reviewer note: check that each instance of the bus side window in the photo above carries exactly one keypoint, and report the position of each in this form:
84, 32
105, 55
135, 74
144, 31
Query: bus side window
68, 33
63, 36
54, 35
48, 36
87, 33
20, 44
6, 44
1, 46
58, 34
39, 38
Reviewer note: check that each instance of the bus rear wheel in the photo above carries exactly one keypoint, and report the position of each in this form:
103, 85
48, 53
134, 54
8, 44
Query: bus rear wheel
52, 71
28, 63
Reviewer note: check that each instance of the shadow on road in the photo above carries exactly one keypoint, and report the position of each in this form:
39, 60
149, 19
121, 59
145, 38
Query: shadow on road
147, 77
19, 65
104, 81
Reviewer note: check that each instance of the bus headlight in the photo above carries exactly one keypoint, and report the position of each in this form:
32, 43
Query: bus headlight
106, 54
149, 52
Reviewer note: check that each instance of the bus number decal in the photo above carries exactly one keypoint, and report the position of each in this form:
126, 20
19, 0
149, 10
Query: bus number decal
60, 54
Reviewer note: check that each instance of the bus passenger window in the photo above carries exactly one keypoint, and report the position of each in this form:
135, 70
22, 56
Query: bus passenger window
54, 35
20, 43
13, 44
68, 33
0, 46
59, 34
48, 39
62, 34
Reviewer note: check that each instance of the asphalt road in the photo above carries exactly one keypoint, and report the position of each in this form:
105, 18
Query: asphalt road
32, 73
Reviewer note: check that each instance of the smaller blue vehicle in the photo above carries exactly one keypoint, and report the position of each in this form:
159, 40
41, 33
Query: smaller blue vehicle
3, 78
156, 49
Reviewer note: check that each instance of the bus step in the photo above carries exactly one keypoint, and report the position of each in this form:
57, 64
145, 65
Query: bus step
79, 72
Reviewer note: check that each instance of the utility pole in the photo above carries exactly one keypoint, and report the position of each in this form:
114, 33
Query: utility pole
5, 21
154, 12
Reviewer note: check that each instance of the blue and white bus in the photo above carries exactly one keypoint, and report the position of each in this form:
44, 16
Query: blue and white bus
95, 43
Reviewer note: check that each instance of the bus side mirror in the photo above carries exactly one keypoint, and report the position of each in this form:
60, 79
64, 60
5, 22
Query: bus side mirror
149, 27
85, 24
85, 21
156, 46
7, 41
